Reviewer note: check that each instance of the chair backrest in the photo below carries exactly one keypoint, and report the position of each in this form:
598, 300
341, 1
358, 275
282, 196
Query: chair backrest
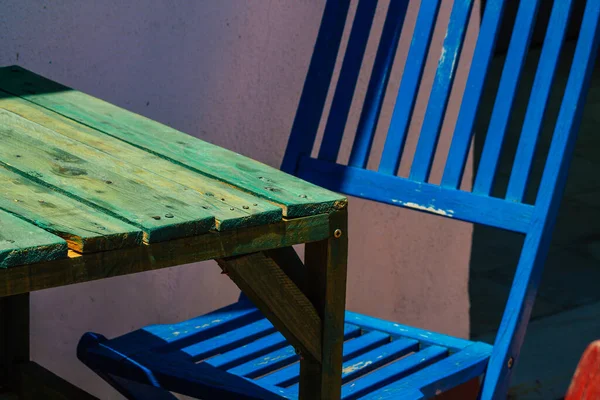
447, 198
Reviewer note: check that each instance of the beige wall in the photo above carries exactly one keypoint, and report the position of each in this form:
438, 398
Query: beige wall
229, 72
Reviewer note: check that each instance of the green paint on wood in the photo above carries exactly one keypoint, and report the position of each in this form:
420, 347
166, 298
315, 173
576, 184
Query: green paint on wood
249, 209
162, 208
23, 243
84, 228
296, 197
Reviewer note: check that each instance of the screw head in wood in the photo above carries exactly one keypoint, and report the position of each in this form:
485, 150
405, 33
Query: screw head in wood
337, 233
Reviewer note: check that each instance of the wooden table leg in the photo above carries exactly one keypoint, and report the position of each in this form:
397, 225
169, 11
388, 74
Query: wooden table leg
14, 338
305, 303
326, 264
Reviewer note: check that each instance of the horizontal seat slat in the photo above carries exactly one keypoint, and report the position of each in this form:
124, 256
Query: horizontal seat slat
279, 358
290, 375
168, 337
230, 340
367, 362
441, 376
392, 372
394, 329
246, 353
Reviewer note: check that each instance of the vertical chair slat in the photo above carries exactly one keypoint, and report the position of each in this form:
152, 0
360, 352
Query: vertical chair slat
409, 87
380, 75
518, 309
513, 65
463, 132
538, 100
344, 91
316, 85
440, 92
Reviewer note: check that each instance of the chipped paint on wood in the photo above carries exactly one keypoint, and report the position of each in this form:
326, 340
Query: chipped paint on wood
431, 209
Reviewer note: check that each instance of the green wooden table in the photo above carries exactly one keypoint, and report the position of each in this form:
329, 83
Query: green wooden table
89, 190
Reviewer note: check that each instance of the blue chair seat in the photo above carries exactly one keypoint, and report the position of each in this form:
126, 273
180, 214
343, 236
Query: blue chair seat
237, 345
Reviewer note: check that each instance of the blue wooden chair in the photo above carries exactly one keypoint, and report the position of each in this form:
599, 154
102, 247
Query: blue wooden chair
384, 359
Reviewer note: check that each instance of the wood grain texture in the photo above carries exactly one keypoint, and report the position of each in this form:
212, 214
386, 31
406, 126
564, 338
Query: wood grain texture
326, 263
252, 210
84, 228
83, 268
24, 243
297, 198
163, 209
279, 299
288, 260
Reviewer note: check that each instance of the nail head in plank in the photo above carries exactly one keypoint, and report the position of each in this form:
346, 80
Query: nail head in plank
131, 193
24, 243
84, 228
297, 197
220, 195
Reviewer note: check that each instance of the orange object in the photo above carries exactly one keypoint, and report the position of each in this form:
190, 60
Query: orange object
586, 381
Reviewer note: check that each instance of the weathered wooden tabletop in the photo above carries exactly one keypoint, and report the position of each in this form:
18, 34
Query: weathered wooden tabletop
89, 190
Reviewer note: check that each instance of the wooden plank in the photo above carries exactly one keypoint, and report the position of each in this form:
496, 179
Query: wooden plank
535, 248
419, 196
290, 374
217, 193
326, 263
297, 198
382, 68
409, 87
24, 243
538, 100
288, 260
84, 228
83, 268
392, 328
463, 131
450, 372
280, 300
440, 92
371, 360
316, 84
344, 90
393, 372
511, 73
282, 359
163, 209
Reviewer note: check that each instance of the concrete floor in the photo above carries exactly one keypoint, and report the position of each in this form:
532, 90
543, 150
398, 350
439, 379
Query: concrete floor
566, 316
